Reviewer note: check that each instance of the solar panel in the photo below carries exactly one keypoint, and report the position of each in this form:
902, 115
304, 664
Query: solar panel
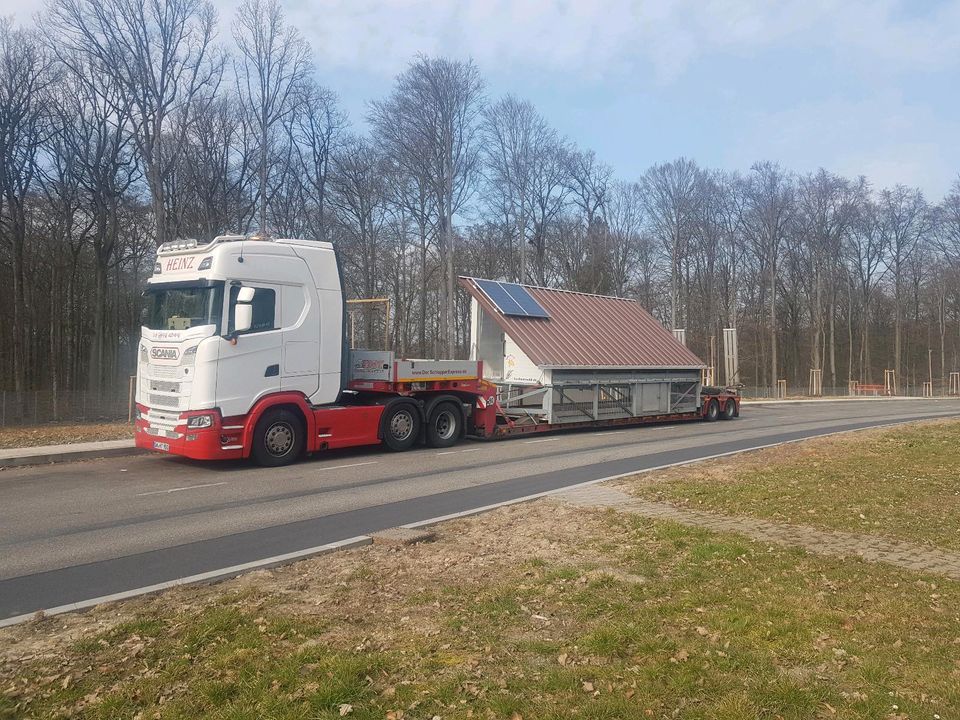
512, 299
525, 300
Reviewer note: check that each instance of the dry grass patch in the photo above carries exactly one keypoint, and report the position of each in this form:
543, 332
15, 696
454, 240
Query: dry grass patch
902, 482
62, 434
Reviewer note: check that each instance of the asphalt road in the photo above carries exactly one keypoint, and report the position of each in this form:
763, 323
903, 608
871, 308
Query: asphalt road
82, 530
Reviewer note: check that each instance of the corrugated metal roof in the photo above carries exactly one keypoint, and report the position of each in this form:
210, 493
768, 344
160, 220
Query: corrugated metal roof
589, 331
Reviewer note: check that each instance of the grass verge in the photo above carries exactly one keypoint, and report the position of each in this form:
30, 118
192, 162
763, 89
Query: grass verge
901, 482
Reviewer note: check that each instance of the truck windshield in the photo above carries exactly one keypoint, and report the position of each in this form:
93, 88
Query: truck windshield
181, 308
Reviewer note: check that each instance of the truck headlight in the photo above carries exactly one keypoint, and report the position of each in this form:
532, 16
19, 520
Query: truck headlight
198, 422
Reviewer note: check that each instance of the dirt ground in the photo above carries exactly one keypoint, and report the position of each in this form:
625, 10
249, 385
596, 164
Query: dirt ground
62, 434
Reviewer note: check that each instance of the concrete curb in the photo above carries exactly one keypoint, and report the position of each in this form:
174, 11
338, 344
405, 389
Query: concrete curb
45, 454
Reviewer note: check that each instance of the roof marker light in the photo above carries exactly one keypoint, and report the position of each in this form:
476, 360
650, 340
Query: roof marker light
205, 263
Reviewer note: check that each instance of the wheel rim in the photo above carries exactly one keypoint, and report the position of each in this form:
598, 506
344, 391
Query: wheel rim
401, 425
278, 439
445, 425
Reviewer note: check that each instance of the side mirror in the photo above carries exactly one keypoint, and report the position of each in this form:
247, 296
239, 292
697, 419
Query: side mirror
243, 314
245, 294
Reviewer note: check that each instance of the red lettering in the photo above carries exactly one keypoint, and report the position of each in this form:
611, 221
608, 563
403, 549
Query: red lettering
180, 263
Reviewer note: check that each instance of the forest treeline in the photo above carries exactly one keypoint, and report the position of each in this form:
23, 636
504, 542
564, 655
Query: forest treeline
125, 124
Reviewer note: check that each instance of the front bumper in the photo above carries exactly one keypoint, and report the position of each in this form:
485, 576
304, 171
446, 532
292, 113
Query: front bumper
220, 441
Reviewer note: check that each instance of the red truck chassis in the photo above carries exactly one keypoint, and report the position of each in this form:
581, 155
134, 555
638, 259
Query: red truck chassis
361, 421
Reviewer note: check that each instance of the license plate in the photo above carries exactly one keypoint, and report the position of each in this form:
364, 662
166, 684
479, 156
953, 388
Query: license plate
157, 445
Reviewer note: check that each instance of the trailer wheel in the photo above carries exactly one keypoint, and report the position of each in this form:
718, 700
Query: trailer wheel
730, 409
278, 439
401, 426
713, 411
444, 425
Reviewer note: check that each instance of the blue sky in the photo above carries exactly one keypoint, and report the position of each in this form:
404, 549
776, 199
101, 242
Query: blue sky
855, 86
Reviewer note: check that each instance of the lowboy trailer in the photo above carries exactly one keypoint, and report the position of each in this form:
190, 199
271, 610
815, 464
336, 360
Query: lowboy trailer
243, 354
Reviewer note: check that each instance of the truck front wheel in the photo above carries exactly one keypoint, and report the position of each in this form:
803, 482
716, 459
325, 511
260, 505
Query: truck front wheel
444, 425
401, 426
278, 439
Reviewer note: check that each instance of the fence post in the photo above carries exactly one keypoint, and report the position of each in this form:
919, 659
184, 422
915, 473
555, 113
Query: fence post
132, 382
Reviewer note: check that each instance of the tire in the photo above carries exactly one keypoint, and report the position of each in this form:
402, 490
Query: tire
730, 409
444, 426
401, 426
713, 411
278, 439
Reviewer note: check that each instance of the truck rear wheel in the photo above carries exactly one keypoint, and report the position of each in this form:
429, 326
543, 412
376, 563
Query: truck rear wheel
444, 425
401, 426
730, 410
713, 411
278, 439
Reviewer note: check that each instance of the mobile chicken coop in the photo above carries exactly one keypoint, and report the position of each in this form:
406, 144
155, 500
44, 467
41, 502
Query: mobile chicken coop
560, 357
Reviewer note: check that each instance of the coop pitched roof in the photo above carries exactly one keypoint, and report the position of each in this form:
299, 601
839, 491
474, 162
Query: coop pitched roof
589, 331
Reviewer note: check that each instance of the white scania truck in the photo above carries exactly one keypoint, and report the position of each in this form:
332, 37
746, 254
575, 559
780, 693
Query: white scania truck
243, 354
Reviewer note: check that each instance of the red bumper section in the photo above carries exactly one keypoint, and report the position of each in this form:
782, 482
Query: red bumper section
223, 440
232, 438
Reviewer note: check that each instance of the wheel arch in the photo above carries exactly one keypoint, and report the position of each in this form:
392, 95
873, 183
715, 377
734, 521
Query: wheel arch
294, 402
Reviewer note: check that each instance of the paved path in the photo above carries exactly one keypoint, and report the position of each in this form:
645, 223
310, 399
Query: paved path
79, 531
822, 542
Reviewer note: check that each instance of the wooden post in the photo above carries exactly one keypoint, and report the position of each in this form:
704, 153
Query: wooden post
816, 382
781, 389
731, 365
890, 382
954, 383
131, 391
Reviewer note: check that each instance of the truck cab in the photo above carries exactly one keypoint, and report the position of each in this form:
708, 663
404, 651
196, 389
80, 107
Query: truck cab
228, 324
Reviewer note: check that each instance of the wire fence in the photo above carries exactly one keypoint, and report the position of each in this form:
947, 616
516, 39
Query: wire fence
38, 407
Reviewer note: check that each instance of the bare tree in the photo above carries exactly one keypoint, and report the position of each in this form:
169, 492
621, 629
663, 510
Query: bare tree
517, 143
274, 64
318, 126
625, 219
905, 221
24, 80
865, 250
432, 113
162, 56
768, 218
672, 196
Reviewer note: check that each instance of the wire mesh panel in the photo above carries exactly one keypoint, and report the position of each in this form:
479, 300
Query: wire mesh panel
44, 406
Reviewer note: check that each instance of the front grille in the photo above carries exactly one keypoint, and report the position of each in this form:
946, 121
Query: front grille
170, 372
163, 386
164, 401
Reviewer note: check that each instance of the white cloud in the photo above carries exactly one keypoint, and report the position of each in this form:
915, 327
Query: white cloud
589, 39
592, 38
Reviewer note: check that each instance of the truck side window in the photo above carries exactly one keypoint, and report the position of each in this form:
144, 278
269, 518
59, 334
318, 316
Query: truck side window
264, 309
